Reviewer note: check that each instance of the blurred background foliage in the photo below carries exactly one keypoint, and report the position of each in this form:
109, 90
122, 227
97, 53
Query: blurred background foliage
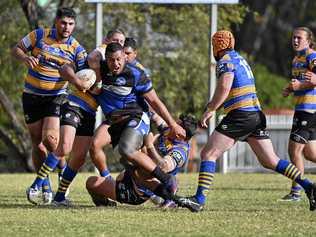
173, 44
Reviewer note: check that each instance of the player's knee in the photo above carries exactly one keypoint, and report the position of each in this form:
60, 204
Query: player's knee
91, 183
51, 139
126, 149
130, 142
210, 154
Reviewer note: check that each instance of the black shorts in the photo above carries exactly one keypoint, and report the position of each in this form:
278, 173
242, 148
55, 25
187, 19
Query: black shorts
304, 127
134, 121
240, 125
37, 107
75, 116
126, 193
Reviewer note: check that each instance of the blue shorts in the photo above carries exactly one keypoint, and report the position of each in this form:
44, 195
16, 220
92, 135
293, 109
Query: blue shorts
140, 123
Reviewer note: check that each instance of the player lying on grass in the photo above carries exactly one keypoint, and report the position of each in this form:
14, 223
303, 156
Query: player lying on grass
170, 154
135, 186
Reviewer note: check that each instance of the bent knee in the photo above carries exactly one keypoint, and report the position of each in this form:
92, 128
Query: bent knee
126, 149
91, 183
50, 139
130, 142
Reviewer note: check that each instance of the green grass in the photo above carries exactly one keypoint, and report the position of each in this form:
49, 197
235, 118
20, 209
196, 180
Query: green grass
238, 205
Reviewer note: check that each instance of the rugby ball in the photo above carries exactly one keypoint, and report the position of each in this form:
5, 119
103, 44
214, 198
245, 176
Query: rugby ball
87, 75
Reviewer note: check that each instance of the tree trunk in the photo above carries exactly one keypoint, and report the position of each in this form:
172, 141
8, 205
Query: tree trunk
30, 10
22, 147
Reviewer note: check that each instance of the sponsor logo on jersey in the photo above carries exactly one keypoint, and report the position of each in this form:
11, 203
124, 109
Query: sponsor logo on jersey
120, 81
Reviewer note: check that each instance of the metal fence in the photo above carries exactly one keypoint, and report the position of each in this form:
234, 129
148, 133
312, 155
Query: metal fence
240, 158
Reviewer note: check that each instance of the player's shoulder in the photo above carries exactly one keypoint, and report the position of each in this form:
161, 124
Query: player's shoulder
142, 67
41, 32
135, 70
310, 54
73, 42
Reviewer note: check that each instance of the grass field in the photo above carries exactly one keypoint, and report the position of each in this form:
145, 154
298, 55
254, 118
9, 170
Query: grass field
239, 205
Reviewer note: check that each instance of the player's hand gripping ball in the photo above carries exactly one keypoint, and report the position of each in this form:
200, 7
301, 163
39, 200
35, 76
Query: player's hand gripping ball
88, 77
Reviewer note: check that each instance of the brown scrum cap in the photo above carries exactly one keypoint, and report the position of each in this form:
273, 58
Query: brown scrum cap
221, 40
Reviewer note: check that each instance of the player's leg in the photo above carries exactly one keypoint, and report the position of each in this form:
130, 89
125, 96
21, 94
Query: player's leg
64, 147
265, 153
80, 126
129, 144
101, 189
50, 129
295, 150
101, 138
33, 117
77, 159
301, 134
217, 144
310, 151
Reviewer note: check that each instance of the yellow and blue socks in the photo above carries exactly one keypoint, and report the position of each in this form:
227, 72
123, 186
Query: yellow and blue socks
60, 168
48, 166
289, 170
46, 187
206, 175
67, 177
296, 189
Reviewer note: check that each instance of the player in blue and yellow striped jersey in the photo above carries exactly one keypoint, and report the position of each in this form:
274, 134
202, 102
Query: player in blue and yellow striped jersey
244, 121
303, 133
44, 89
171, 154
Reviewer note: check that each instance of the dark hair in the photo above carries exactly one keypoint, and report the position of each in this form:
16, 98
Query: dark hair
310, 36
112, 48
113, 32
130, 42
65, 12
189, 123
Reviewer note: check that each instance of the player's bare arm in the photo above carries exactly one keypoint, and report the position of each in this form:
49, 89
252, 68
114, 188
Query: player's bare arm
154, 101
221, 93
67, 72
20, 54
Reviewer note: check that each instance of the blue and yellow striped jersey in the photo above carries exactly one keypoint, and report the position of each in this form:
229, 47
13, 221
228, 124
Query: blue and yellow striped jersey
84, 100
45, 79
305, 100
242, 95
178, 150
